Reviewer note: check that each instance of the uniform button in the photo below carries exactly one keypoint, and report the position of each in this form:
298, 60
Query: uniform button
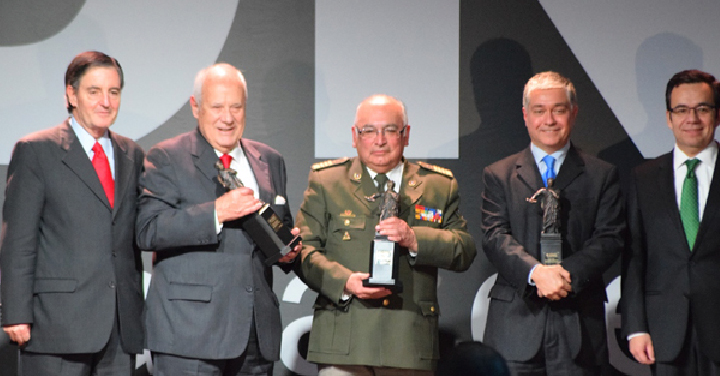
111, 284
347, 222
432, 308
386, 302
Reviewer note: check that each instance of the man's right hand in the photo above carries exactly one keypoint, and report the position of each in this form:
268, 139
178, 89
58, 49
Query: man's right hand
236, 203
551, 281
641, 347
19, 333
354, 286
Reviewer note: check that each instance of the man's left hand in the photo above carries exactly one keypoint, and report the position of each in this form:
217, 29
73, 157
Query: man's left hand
398, 231
290, 256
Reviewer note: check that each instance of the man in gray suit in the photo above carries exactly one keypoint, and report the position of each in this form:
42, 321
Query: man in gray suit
210, 307
550, 319
71, 275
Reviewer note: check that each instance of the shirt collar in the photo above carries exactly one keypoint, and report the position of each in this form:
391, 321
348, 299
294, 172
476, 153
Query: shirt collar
707, 157
395, 174
86, 140
559, 155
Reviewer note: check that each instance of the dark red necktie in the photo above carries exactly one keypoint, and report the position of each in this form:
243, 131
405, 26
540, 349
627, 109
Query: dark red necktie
226, 159
102, 167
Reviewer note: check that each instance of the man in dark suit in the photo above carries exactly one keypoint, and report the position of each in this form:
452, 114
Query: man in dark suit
369, 330
210, 305
550, 319
671, 283
71, 274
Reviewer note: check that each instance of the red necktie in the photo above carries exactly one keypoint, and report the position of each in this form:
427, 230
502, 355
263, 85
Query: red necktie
226, 159
102, 167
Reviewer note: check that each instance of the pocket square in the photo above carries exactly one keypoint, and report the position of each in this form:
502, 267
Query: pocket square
279, 200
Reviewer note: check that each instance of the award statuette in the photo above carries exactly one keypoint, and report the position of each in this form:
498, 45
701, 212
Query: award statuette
264, 226
550, 238
384, 252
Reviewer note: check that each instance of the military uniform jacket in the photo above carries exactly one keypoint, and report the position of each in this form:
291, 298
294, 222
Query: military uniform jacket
338, 226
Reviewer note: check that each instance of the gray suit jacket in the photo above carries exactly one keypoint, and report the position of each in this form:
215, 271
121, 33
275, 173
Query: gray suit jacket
206, 287
592, 227
666, 285
68, 260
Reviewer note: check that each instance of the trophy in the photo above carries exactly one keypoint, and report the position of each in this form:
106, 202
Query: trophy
550, 239
384, 252
264, 226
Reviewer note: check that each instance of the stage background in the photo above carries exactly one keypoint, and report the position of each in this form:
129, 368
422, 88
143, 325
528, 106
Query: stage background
459, 65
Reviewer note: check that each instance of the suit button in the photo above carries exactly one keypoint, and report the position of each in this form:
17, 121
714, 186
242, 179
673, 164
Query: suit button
111, 284
386, 302
114, 254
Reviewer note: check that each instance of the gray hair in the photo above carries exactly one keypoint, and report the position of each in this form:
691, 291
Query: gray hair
549, 80
200, 80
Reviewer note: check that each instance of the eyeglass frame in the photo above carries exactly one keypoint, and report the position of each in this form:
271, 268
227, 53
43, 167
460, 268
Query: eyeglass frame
378, 131
691, 110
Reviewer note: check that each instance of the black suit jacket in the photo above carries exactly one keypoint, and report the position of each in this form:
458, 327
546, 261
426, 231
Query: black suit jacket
206, 287
68, 260
592, 227
665, 285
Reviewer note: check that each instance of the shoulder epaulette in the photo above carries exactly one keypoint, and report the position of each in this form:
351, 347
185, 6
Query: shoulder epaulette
438, 169
329, 163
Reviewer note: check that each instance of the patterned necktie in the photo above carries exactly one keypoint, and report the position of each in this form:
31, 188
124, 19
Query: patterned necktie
381, 180
226, 159
550, 171
689, 203
102, 167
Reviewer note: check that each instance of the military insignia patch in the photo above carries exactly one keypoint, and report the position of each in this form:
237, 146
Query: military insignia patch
325, 164
428, 214
346, 236
438, 169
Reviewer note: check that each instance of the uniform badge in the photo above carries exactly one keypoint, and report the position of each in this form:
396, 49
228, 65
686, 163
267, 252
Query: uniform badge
423, 213
346, 236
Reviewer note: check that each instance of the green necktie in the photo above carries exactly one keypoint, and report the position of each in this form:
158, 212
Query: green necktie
381, 180
689, 203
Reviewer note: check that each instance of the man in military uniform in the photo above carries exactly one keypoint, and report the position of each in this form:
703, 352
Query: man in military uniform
360, 330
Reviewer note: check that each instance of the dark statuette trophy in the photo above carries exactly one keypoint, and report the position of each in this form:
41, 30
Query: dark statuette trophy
550, 238
384, 252
264, 226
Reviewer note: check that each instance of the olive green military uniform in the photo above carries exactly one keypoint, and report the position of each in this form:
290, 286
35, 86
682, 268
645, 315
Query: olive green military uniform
338, 225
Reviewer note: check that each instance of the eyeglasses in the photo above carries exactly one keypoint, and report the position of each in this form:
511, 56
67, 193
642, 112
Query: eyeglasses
703, 110
390, 131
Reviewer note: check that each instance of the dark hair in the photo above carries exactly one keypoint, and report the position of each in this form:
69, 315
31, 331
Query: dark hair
84, 61
692, 76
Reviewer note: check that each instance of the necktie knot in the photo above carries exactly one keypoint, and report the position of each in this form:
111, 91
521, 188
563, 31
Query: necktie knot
226, 159
550, 171
381, 179
691, 164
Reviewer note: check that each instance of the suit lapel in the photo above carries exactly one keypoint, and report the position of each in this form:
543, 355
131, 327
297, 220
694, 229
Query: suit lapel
260, 170
663, 179
123, 170
572, 167
411, 190
527, 170
711, 206
76, 159
205, 158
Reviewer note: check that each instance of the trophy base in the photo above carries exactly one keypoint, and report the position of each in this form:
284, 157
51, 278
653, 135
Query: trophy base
393, 285
383, 265
550, 249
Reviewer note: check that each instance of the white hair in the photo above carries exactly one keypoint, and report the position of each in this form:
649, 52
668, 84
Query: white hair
200, 80
549, 80
382, 98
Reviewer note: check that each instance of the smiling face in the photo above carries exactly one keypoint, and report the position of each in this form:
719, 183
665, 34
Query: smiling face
380, 151
693, 131
96, 100
549, 118
221, 111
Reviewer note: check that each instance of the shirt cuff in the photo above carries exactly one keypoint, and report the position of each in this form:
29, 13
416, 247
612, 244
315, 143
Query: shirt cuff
530, 281
638, 334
